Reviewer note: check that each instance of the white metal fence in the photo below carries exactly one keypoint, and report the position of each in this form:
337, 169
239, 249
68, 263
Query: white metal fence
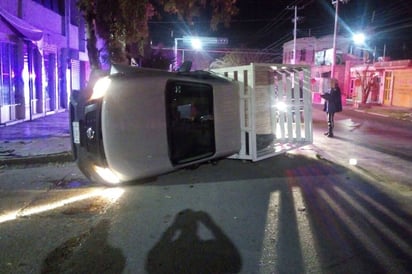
275, 108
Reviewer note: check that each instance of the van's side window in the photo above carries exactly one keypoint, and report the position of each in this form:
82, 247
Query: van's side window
190, 121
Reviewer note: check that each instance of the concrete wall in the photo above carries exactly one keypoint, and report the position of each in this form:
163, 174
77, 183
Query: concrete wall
402, 88
64, 69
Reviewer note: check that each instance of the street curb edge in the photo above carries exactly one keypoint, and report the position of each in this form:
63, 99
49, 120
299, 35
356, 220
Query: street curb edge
60, 157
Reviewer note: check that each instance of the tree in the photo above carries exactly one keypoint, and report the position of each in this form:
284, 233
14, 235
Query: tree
117, 23
156, 58
222, 10
368, 82
123, 22
240, 58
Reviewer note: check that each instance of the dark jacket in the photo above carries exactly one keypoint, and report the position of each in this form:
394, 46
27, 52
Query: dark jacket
333, 100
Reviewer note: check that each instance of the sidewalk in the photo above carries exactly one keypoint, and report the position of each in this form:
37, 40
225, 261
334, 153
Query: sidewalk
42, 140
47, 139
397, 113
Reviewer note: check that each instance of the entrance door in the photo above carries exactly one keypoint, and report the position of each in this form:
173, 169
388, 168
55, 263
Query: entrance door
49, 60
8, 82
190, 124
349, 95
387, 90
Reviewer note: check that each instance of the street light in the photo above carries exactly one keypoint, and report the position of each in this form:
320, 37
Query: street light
175, 51
359, 38
197, 44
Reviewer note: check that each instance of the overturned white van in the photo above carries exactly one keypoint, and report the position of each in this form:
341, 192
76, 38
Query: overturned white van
136, 123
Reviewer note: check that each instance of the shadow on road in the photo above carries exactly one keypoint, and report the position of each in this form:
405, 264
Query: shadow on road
354, 226
228, 170
182, 250
404, 155
357, 228
288, 214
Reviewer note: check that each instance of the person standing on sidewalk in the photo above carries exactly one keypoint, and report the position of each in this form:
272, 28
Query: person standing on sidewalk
333, 104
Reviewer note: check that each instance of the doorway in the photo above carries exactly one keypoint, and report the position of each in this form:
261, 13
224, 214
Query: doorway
387, 89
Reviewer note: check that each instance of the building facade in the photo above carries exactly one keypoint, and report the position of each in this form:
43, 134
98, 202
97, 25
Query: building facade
42, 55
387, 83
317, 52
363, 78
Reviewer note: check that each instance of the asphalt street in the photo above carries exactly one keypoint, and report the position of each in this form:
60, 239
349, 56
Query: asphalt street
287, 214
372, 145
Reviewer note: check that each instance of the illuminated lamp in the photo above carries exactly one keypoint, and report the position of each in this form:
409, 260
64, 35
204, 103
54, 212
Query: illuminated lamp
196, 44
359, 38
100, 88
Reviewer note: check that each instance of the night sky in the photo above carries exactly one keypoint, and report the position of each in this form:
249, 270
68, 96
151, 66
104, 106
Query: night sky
267, 24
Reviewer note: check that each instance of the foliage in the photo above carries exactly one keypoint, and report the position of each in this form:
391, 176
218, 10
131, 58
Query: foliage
120, 23
222, 10
117, 23
156, 58
87, 9
240, 58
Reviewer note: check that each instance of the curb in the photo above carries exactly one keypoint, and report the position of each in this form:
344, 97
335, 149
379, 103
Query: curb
371, 113
60, 157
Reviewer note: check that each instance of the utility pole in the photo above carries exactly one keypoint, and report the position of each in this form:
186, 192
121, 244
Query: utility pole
295, 22
336, 3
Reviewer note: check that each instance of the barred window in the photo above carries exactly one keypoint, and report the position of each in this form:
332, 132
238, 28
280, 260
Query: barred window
303, 55
54, 5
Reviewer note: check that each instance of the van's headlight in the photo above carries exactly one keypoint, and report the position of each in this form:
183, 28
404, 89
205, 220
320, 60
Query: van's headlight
100, 88
107, 174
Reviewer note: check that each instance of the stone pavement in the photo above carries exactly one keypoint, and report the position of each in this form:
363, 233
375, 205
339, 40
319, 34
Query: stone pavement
47, 139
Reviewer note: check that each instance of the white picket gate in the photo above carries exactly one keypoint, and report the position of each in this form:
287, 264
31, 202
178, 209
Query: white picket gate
275, 107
